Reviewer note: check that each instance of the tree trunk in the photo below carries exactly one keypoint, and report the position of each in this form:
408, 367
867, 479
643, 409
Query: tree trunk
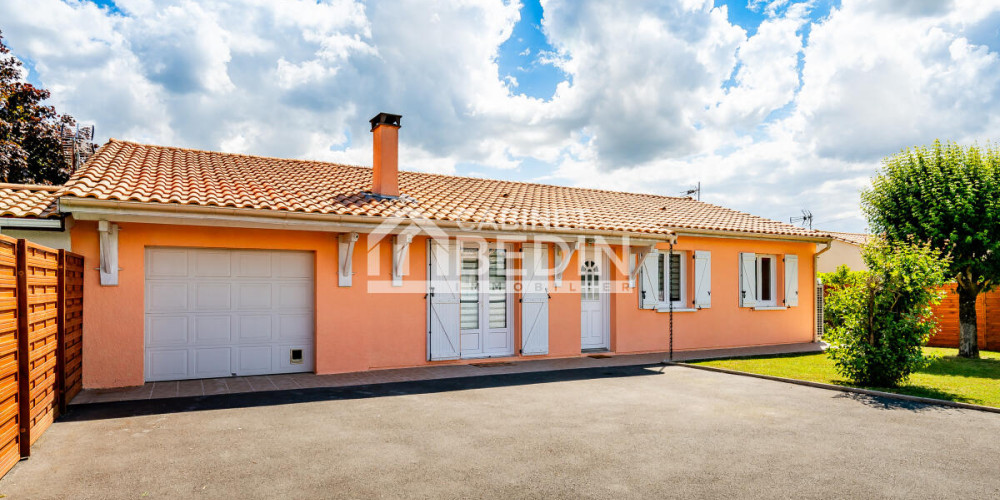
968, 346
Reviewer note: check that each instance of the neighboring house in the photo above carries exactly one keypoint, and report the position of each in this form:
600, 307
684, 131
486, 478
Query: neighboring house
210, 264
31, 212
845, 250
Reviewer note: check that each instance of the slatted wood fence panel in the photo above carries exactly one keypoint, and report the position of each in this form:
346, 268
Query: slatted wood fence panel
947, 316
72, 321
41, 267
10, 451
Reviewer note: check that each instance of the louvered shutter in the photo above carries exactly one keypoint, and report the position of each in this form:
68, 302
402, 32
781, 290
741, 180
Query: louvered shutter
535, 300
444, 297
649, 282
748, 280
703, 279
791, 280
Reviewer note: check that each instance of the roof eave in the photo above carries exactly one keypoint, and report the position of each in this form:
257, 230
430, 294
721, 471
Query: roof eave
718, 233
84, 208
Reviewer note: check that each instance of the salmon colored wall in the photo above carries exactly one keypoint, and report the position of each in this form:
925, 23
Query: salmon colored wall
373, 325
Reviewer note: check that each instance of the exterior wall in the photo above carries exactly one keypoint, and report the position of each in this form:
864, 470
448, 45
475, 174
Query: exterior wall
841, 253
372, 325
59, 240
725, 324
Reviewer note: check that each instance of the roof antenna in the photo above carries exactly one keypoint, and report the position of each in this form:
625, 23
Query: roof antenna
695, 191
806, 219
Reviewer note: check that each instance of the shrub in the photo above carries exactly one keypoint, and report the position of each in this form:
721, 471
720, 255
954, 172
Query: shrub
881, 317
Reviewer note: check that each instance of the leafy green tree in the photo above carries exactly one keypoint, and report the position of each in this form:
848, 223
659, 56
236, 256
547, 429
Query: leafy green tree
948, 196
881, 317
31, 148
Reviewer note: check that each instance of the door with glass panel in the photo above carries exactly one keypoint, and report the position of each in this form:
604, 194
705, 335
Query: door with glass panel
486, 311
594, 326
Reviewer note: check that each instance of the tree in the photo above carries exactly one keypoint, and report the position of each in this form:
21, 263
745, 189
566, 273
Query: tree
948, 196
881, 317
31, 149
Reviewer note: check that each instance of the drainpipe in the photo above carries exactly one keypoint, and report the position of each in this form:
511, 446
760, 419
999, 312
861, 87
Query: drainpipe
670, 304
815, 273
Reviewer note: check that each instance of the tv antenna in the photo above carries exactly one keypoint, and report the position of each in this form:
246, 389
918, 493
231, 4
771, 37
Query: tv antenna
806, 219
695, 191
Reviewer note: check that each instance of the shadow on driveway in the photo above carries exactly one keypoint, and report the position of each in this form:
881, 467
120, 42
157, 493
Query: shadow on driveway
121, 409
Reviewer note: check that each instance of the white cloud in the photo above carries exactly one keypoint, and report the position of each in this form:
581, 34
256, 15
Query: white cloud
659, 95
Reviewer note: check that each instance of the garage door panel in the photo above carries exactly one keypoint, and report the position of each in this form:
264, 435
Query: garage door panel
255, 328
254, 360
212, 296
212, 263
295, 295
295, 327
166, 263
210, 330
212, 362
254, 296
166, 364
167, 296
167, 331
252, 264
295, 265
218, 312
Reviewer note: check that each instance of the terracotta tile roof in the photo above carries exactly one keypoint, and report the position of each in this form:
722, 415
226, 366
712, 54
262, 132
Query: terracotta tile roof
29, 200
852, 238
127, 171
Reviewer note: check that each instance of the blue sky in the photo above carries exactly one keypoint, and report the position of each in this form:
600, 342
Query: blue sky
773, 105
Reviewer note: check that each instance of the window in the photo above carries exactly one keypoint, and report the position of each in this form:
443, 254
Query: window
469, 297
766, 280
498, 288
672, 276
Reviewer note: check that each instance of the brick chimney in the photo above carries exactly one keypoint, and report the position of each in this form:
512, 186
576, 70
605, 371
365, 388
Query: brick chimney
385, 166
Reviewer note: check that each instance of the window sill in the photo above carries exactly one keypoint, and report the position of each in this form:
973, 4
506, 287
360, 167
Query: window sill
664, 309
770, 308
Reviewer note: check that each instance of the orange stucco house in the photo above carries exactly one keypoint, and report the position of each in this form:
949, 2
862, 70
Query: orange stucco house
205, 264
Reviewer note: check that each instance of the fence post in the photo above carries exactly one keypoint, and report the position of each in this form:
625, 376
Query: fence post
23, 356
61, 331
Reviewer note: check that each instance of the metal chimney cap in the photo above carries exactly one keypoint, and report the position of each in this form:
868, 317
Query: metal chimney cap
386, 119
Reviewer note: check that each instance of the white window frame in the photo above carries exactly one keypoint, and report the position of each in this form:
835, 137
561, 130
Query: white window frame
773, 302
664, 267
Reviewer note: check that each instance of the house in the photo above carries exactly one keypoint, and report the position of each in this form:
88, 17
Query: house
845, 249
31, 212
204, 264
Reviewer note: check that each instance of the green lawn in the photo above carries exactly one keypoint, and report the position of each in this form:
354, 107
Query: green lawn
948, 377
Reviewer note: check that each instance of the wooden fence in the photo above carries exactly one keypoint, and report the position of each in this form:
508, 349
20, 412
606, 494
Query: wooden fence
987, 321
41, 341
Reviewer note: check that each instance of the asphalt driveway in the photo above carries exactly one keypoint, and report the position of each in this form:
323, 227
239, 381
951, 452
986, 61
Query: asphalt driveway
594, 433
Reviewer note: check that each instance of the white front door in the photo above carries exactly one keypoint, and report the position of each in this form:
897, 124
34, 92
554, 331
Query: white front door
485, 308
595, 332
216, 312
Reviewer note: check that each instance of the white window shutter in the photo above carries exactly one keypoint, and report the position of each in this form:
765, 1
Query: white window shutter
443, 294
649, 282
748, 280
535, 300
791, 280
703, 279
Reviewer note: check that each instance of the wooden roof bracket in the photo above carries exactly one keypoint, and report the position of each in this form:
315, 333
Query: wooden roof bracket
345, 247
400, 252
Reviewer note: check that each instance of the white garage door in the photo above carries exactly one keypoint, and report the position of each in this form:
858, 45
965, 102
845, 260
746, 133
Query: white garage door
220, 312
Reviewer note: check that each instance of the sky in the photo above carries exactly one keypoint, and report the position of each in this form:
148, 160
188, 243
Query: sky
773, 106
